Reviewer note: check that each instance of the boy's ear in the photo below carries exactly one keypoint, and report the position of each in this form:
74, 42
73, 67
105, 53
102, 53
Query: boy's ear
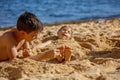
23, 33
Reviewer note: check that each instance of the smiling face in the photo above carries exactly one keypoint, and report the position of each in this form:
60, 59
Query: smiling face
65, 33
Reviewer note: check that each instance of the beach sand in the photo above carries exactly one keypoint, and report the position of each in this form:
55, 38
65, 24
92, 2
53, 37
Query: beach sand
102, 61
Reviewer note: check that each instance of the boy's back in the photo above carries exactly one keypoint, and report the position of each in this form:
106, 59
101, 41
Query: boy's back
5, 42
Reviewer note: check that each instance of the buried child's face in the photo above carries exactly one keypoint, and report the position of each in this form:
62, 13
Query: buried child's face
65, 33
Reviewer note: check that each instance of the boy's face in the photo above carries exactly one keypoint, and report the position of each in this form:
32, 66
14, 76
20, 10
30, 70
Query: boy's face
65, 33
31, 36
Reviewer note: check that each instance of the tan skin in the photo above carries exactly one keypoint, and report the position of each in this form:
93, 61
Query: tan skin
14, 40
7, 46
65, 33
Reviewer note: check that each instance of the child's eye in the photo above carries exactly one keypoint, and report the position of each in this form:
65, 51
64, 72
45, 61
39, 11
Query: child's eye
64, 29
69, 31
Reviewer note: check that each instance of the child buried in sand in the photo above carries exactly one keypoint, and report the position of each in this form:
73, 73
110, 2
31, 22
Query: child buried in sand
28, 26
64, 38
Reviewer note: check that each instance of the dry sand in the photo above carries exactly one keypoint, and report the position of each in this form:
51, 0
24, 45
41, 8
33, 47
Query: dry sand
102, 61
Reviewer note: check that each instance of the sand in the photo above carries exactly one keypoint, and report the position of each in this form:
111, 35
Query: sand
101, 62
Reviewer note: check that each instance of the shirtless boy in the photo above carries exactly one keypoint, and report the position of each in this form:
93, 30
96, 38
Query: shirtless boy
28, 26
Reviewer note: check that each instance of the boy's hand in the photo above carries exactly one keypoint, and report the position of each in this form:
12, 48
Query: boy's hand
26, 52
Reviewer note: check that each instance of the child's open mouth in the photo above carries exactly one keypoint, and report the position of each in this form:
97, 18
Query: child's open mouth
64, 35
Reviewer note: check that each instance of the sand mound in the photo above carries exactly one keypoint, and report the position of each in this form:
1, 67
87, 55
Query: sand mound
100, 50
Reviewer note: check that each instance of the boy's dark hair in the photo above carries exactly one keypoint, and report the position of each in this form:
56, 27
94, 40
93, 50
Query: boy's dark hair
29, 22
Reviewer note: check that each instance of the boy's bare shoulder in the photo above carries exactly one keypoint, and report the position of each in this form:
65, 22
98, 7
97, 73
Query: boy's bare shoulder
6, 37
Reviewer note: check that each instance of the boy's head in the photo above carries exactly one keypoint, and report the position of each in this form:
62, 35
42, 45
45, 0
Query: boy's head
28, 22
29, 25
65, 32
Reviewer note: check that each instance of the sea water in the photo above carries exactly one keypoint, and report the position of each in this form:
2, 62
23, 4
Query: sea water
51, 11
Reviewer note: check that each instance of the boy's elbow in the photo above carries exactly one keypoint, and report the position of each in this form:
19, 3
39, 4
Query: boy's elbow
12, 57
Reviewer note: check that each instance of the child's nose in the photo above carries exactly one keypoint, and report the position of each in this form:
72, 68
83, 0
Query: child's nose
66, 31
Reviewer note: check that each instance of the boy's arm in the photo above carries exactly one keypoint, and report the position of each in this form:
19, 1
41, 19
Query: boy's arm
26, 49
50, 54
13, 53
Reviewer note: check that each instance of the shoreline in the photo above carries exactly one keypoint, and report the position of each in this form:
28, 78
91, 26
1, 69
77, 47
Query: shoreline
67, 22
80, 21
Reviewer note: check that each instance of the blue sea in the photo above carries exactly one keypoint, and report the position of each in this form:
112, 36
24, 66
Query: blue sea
51, 11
